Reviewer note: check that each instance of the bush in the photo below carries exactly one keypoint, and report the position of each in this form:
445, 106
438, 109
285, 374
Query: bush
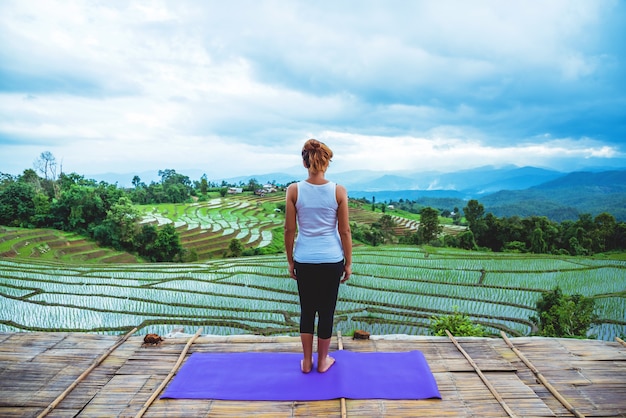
560, 315
235, 248
459, 325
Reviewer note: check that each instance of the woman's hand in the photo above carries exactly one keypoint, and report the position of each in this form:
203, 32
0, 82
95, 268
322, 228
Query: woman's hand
347, 271
292, 270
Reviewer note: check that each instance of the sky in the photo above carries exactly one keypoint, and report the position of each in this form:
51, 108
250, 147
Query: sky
236, 87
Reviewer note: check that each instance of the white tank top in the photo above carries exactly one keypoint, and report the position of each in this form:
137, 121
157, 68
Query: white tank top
318, 238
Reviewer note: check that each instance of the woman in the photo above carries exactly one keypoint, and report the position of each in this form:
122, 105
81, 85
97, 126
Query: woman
321, 256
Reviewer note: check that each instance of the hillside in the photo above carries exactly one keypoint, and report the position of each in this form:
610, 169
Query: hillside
562, 197
565, 198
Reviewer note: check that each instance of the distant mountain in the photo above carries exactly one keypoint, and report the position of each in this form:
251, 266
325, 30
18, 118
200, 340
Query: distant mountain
613, 181
477, 181
518, 179
526, 191
565, 198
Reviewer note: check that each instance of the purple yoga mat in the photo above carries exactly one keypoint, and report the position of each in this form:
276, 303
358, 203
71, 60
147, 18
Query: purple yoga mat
258, 376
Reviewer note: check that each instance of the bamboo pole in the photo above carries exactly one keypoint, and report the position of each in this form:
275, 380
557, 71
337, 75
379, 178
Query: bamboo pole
493, 390
344, 411
80, 378
169, 375
541, 378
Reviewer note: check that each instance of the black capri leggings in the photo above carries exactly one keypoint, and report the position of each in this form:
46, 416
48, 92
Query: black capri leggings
318, 286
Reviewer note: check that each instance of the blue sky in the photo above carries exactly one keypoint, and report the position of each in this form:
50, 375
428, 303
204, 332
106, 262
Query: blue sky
235, 88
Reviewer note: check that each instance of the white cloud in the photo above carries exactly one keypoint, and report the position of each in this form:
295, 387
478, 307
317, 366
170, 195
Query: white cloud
411, 85
355, 152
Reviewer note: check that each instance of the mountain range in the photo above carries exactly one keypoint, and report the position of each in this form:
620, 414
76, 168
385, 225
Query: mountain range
504, 191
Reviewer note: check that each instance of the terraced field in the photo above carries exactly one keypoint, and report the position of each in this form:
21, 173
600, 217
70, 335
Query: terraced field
53, 245
208, 227
394, 290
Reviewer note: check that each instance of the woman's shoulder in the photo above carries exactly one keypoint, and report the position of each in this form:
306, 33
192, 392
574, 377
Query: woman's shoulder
340, 188
340, 192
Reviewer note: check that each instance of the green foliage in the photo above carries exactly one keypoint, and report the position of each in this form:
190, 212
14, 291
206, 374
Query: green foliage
429, 227
537, 243
410, 238
515, 247
235, 248
17, 204
167, 245
368, 234
118, 230
466, 241
385, 225
560, 315
459, 325
474, 212
451, 241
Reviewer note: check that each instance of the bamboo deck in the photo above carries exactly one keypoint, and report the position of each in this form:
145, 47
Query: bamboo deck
36, 368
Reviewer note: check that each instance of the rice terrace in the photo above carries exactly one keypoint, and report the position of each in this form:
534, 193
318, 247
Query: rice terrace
55, 281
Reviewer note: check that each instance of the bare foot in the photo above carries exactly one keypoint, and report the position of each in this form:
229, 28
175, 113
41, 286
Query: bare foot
306, 366
325, 364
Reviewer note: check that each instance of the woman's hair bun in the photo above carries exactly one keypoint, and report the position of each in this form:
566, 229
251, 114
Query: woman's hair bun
316, 155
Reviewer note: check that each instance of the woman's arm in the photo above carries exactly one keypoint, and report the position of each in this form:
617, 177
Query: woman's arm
343, 225
290, 225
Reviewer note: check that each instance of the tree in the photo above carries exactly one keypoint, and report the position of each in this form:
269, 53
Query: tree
78, 209
5, 180
235, 247
123, 218
176, 187
144, 241
560, 315
494, 234
46, 164
373, 236
429, 228
42, 210
604, 232
466, 241
167, 245
537, 243
253, 185
204, 185
16, 204
385, 224
474, 212
30, 176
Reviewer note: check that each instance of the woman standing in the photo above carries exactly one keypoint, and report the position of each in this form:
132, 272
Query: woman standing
321, 256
